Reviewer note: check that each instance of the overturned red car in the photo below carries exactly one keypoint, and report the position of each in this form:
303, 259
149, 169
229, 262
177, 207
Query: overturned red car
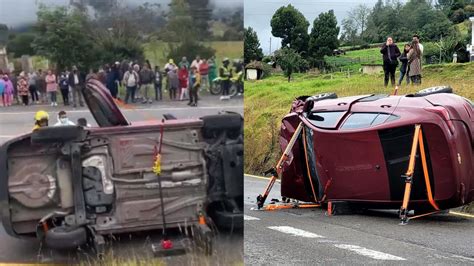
380, 151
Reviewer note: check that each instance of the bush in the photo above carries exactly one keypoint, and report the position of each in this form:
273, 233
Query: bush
267, 70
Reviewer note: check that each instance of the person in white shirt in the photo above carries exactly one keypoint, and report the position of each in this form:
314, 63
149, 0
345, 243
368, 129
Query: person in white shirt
196, 63
63, 120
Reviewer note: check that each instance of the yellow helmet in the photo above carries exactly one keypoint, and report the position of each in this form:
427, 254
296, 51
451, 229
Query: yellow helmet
40, 115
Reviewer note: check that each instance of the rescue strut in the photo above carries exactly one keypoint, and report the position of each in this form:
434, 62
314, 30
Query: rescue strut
417, 140
275, 171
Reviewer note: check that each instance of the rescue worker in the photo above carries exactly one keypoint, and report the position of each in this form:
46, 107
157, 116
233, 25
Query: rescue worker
41, 120
225, 74
63, 120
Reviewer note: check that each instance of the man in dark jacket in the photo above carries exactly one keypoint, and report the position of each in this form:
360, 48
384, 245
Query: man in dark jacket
76, 81
146, 83
112, 77
390, 53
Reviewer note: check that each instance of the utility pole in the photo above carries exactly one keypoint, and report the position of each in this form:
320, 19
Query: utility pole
270, 51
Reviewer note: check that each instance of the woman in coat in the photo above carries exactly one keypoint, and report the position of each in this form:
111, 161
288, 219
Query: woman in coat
23, 89
414, 60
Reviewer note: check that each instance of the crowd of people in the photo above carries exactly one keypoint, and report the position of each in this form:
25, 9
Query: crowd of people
141, 83
410, 60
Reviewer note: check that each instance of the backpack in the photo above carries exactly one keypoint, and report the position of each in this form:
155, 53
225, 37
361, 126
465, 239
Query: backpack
132, 79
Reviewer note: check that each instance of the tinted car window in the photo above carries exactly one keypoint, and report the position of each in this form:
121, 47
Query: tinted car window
362, 120
329, 119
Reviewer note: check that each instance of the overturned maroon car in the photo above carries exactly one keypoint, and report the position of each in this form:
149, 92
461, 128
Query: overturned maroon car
380, 151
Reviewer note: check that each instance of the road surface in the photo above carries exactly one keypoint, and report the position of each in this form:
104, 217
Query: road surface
308, 236
17, 120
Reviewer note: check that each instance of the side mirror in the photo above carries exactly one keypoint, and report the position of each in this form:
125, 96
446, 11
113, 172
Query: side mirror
315, 117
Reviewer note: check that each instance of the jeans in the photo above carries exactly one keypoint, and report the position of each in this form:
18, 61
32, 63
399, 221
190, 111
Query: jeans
130, 94
65, 94
34, 93
77, 95
193, 94
146, 89
402, 75
158, 92
52, 95
389, 71
225, 87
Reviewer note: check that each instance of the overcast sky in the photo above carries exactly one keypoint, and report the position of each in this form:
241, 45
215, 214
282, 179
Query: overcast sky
258, 14
18, 12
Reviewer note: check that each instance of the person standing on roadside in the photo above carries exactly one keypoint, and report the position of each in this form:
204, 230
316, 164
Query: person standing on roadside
204, 73
51, 87
130, 81
212, 70
2, 89
416, 38
64, 87
196, 80
76, 83
158, 83
41, 85
390, 53
173, 82
32, 83
8, 91
404, 67
225, 74
183, 76
14, 81
146, 83
23, 88
414, 60
184, 62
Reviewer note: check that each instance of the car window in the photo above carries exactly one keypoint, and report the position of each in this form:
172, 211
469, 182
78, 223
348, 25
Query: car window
363, 120
329, 119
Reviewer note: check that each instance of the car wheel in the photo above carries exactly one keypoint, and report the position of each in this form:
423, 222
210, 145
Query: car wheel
57, 134
434, 90
64, 238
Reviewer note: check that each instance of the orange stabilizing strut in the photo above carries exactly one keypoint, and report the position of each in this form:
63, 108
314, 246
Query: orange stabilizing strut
277, 169
417, 140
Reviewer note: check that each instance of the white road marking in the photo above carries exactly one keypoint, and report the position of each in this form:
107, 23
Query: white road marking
250, 218
294, 231
462, 257
142, 109
368, 252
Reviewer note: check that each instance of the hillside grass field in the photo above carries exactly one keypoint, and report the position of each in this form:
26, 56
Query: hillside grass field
268, 100
157, 52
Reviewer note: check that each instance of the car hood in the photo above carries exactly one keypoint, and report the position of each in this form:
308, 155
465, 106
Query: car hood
102, 105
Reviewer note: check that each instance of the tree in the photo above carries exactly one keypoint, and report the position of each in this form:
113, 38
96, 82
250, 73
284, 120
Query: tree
289, 24
323, 37
180, 29
62, 37
20, 44
201, 14
252, 50
290, 61
355, 24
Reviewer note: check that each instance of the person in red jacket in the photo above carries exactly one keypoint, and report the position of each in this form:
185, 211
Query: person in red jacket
183, 76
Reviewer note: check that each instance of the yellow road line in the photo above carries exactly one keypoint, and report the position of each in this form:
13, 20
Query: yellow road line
261, 177
462, 214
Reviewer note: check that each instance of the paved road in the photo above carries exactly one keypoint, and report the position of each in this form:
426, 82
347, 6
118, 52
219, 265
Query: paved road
17, 120
308, 236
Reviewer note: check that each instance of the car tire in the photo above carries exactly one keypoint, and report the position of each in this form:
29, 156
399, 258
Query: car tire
64, 238
434, 90
57, 134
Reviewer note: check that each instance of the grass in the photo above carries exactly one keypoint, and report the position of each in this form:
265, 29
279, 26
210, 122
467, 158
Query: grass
268, 100
156, 52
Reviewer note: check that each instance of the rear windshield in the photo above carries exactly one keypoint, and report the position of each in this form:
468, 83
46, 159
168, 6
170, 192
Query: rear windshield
363, 120
330, 119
